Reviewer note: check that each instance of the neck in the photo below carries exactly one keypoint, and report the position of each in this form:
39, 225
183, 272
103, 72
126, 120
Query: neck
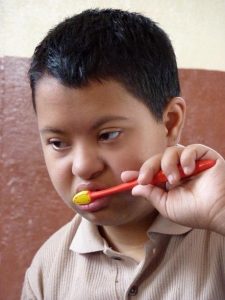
129, 239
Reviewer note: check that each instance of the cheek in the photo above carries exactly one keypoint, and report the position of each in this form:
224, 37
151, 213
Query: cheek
132, 157
58, 172
151, 143
128, 159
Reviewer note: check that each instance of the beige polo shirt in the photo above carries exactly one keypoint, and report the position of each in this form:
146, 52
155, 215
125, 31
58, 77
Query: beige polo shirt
76, 263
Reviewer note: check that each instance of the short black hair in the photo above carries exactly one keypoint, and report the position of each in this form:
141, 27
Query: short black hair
101, 44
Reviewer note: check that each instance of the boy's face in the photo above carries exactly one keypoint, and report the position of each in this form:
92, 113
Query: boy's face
89, 136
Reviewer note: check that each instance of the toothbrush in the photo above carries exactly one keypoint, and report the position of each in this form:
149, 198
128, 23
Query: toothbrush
86, 197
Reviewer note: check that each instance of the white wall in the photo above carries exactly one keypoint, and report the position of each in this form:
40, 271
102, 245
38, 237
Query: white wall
196, 27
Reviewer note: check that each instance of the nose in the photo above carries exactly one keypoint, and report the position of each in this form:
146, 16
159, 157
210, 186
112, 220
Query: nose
87, 163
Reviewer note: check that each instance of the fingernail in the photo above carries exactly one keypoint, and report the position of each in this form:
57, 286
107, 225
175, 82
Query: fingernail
140, 177
136, 189
187, 170
171, 178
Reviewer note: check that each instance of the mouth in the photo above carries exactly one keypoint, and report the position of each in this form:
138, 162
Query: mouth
84, 203
94, 206
89, 187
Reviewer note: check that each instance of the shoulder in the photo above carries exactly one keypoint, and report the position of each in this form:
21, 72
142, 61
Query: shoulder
204, 237
65, 233
209, 245
214, 246
59, 242
51, 256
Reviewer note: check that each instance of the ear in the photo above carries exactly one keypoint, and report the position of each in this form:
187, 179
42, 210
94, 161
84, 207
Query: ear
173, 119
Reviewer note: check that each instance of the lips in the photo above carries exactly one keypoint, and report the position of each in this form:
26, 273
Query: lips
95, 205
89, 187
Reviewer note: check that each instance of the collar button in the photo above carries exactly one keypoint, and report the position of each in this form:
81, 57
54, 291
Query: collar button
133, 291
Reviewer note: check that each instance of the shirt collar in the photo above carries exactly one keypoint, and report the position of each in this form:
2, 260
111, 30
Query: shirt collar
88, 239
165, 226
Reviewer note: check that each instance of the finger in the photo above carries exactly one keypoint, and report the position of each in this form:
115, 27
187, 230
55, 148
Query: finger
169, 163
155, 195
149, 169
129, 175
195, 152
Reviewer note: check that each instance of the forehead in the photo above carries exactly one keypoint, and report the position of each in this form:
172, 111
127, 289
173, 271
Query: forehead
55, 101
50, 92
49, 85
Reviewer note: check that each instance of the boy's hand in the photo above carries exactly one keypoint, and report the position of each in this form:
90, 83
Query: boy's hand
197, 202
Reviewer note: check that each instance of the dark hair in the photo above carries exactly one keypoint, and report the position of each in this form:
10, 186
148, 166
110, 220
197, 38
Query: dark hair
110, 44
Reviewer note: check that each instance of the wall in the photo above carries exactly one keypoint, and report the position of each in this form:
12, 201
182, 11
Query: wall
30, 210
196, 27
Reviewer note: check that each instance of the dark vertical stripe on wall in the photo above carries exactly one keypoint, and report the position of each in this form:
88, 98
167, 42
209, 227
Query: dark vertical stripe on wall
30, 209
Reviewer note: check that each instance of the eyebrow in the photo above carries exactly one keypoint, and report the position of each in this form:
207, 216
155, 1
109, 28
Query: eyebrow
98, 123
51, 130
106, 119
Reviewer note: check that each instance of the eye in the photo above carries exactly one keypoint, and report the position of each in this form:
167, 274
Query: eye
108, 136
58, 144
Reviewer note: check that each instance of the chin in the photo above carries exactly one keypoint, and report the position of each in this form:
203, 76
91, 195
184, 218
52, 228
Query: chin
101, 220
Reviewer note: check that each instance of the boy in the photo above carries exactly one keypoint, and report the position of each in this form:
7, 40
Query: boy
106, 93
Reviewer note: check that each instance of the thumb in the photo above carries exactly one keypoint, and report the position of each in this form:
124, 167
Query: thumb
129, 175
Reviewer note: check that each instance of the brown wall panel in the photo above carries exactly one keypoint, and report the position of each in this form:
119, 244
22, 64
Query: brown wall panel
30, 210
204, 92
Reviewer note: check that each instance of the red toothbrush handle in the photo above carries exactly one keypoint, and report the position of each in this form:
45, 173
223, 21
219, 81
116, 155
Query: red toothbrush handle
159, 178
200, 166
